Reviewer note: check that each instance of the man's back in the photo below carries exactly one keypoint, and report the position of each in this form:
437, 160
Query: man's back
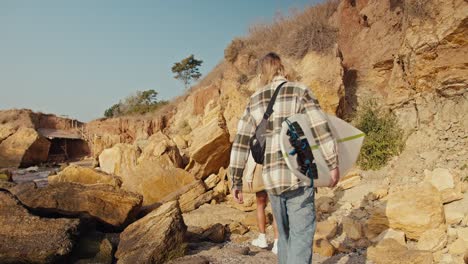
293, 98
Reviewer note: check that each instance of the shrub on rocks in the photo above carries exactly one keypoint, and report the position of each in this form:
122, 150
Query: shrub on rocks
384, 139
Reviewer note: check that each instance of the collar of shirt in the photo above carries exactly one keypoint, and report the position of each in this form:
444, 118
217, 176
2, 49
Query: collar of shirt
279, 78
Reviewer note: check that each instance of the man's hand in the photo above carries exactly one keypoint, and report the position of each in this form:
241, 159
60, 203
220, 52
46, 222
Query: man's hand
335, 177
238, 197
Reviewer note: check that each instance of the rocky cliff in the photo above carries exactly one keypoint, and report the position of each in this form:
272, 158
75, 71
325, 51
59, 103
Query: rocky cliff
409, 56
406, 55
21, 143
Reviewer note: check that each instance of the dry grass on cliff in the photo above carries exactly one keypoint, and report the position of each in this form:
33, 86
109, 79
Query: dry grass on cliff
292, 36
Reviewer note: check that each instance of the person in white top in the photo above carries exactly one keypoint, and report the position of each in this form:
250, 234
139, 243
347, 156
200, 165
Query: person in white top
252, 170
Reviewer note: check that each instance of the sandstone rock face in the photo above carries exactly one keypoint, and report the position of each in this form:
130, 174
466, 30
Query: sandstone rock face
180, 142
412, 53
458, 247
433, 240
463, 234
212, 181
216, 233
413, 210
209, 214
323, 247
324, 204
453, 216
325, 78
23, 148
119, 159
103, 134
398, 236
6, 185
238, 228
103, 202
156, 238
155, 182
352, 228
194, 197
6, 130
446, 183
326, 229
163, 150
85, 176
25, 238
209, 149
391, 252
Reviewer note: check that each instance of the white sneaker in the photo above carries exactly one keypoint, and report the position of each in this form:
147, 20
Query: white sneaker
260, 241
274, 249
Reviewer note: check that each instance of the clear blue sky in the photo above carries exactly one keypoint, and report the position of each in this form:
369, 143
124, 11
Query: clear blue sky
77, 58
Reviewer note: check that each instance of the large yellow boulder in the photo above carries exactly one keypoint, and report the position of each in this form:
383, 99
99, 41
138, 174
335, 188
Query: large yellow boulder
413, 210
25, 147
209, 149
155, 238
83, 175
104, 203
155, 182
389, 251
118, 160
160, 148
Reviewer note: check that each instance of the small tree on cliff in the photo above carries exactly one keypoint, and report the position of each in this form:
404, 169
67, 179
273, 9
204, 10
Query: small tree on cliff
139, 103
187, 70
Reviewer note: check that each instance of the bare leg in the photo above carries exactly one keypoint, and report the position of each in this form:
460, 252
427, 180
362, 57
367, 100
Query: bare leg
262, 199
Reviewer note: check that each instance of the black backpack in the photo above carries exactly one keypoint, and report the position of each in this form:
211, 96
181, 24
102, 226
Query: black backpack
258, 141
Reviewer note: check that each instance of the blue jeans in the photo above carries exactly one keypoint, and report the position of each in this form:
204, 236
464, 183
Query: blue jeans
294, 212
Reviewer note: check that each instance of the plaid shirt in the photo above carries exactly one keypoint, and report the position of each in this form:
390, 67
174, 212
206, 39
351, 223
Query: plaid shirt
293, 98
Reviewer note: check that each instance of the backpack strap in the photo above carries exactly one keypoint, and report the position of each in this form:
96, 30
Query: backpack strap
269, 110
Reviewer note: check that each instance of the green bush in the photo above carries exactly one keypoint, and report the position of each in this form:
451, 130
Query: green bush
384, 138
139, 103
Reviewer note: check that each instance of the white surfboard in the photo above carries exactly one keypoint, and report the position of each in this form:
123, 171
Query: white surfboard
349, 141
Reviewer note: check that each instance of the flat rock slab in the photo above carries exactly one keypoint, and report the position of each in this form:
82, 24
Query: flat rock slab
102, 202
210, 214
85, 176
156, 238
25, 238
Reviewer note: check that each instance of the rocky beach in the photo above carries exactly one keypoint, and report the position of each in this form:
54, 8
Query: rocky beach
154, 188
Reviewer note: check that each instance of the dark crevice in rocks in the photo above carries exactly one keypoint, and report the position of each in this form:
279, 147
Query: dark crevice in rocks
348, 103
418, 121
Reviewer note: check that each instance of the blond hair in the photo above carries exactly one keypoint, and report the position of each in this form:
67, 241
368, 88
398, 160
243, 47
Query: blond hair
269, 67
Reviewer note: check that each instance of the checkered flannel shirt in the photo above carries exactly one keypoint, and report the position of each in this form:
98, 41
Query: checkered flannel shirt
293, 98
